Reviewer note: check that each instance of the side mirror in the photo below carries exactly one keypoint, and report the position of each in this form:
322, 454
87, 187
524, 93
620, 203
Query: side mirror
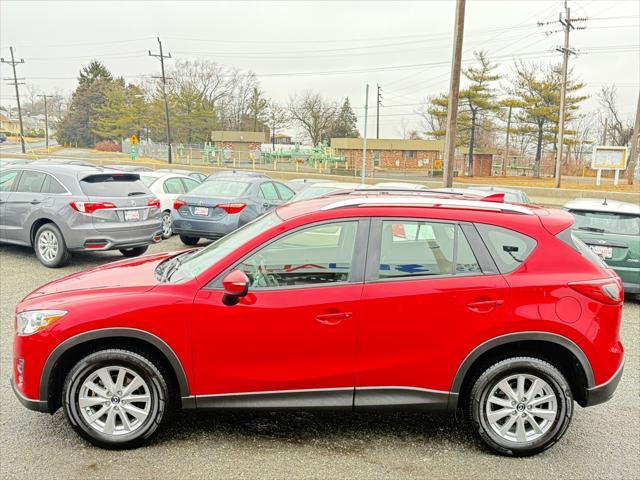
236, 285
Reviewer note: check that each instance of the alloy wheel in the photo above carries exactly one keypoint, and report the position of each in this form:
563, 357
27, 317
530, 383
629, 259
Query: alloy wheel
521, 408
48, 245
166, 225
114, 400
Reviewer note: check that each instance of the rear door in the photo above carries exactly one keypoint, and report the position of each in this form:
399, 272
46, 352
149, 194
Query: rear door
268, 197
123, 199
172, 188
23, 202
8, 182
429, 299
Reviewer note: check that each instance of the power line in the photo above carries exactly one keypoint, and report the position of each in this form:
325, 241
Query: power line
13, 62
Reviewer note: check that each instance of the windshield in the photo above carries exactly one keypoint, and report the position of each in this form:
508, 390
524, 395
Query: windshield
208, 256
313, 192
220, 188
607, 222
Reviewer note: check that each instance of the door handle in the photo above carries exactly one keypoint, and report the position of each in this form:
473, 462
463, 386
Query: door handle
265, 205
484, 305
333, 318
35, 202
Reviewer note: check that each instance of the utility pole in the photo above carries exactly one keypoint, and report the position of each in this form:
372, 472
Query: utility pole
454, 90
633, 158
15, 82
161, 56
378, 105
364, 136
505, 157
567, 23
46, 121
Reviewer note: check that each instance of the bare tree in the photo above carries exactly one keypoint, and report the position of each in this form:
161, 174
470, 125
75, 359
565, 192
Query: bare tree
277, 117
620, 128
313, 114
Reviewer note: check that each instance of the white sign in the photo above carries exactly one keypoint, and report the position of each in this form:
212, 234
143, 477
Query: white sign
609, 158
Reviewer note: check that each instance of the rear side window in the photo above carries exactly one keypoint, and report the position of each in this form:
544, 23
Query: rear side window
31, 181
509, 249
173, 185
268, 191
285, 192
113, 185
51, 185
415, 249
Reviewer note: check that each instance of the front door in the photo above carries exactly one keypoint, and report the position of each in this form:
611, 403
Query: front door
291, 340
8, 178
268, 197
22, 204
428, 301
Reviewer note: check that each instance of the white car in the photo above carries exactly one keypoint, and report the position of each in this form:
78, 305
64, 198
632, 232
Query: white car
167, 187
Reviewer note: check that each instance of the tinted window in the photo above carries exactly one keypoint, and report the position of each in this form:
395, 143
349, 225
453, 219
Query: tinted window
607, 222
113, 185
268, 191
316, 255
189, 184
220, 188
413, 248
7, 179
285, 192
509, 249
31, 181
173, 185
51, 185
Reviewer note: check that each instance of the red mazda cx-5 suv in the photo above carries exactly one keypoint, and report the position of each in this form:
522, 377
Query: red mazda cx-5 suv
360, 300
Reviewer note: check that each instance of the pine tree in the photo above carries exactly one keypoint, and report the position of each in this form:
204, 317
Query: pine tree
346, 123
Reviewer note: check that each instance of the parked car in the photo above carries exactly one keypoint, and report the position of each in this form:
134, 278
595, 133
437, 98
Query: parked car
511, 195
219, 206
59, 209
3, 138
396, 186
612, 230
299, 184
62, 161
5, 162
130, 168
319, 189
235, 173
199, 176
167, 186
493, 308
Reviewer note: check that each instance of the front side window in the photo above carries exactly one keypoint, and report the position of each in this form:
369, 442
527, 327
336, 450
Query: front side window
7, 179
31, 182
509, 249
316, 255
417, 248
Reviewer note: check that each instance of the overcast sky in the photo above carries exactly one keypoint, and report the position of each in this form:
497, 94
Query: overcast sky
332, 47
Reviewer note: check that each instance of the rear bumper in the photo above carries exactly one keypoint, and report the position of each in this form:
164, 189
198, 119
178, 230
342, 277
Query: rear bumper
631, 287
204, 228
35, 405
604, 392
105, 240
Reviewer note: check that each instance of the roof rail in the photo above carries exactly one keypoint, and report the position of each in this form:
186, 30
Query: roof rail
429, 202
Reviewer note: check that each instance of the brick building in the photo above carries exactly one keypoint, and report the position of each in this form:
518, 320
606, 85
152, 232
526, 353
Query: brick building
241, 146
390, 154
482, 161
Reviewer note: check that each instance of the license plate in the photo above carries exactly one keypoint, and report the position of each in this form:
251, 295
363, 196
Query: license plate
132, 215
604, 252
204, 211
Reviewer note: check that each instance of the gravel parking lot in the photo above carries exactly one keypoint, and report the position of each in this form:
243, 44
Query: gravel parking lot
602, 442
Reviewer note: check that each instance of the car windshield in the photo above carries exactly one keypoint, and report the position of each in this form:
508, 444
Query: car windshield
208, 256
220, 188
313, 192
607, 222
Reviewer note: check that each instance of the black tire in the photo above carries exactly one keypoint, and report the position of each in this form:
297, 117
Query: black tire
486, 384
134, 252
166, 214
62, 255
139, 364
191, 241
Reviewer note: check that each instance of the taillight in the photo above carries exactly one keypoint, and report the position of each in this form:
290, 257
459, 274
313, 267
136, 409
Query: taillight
178, 203
232, 207
154, 203
90, 207
607, 290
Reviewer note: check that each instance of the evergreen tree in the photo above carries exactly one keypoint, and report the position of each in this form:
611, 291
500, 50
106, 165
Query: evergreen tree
346, 123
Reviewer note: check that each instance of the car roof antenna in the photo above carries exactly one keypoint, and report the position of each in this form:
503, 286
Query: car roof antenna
605, 201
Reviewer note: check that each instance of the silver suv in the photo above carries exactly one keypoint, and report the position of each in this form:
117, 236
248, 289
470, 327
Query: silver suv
59, 209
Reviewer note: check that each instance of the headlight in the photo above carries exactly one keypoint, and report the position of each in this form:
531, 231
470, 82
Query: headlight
35, 320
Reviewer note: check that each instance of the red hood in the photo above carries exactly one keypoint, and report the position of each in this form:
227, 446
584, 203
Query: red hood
126, 276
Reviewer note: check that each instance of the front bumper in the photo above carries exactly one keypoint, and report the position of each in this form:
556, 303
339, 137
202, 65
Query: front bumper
602, 393
35, 405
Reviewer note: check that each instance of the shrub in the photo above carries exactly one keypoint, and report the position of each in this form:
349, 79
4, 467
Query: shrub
108, 146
